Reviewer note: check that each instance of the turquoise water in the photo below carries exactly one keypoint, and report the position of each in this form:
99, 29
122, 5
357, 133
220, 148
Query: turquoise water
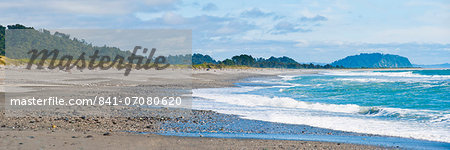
366, 90
406, 103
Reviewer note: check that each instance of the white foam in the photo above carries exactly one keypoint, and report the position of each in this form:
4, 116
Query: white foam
351, 124
288, 110
287, 77
263, 101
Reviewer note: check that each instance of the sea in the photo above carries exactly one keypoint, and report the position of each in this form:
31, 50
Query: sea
411, 104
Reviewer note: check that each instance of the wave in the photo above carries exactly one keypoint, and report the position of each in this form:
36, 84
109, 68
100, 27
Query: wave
287, 77
282, 102
351, 124
276, 83
348, 117
249, 100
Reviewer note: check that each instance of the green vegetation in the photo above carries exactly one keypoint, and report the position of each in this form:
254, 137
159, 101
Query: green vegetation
374, 60
205, 61
22, 41
200, 59
2, 40
219, 66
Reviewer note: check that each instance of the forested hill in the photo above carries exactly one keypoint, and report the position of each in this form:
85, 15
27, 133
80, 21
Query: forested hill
24, 40
374, 60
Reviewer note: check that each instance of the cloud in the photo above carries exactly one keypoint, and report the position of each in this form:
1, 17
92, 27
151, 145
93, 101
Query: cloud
303, 24
254, 13
210, 7
313, 19
288, 27
235, 27
82, 13
204, 26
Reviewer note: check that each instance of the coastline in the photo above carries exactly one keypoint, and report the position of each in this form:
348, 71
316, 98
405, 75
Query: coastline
23, 132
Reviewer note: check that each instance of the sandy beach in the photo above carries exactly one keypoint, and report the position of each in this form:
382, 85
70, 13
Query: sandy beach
178, 74
123, 127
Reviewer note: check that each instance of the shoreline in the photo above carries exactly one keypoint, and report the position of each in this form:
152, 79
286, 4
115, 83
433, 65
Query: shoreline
112, 127
349, 137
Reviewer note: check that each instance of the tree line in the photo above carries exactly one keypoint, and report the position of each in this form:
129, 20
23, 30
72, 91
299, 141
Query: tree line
250, 61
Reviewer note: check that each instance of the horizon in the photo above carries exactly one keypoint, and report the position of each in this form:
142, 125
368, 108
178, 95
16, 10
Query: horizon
320, 32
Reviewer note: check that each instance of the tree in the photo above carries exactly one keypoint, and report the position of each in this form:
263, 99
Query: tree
245, 60
2, 40
200, 59
18, 26
228, 62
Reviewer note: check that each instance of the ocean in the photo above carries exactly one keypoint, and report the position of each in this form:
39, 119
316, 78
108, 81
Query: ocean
401, 103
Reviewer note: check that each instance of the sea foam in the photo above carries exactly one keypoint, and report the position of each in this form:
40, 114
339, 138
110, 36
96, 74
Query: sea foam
349, 117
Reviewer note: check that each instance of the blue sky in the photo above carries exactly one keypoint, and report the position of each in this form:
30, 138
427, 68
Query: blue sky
308, 31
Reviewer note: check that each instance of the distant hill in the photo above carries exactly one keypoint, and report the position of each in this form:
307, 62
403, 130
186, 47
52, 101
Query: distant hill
22, 41
373, 60
446, 65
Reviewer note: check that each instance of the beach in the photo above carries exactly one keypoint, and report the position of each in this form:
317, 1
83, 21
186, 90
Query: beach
84, 129
225, 75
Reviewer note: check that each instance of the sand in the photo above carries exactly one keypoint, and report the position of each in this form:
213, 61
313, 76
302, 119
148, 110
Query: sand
91, 127
80, 140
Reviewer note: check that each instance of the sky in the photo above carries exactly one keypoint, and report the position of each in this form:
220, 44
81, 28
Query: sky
308, 31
